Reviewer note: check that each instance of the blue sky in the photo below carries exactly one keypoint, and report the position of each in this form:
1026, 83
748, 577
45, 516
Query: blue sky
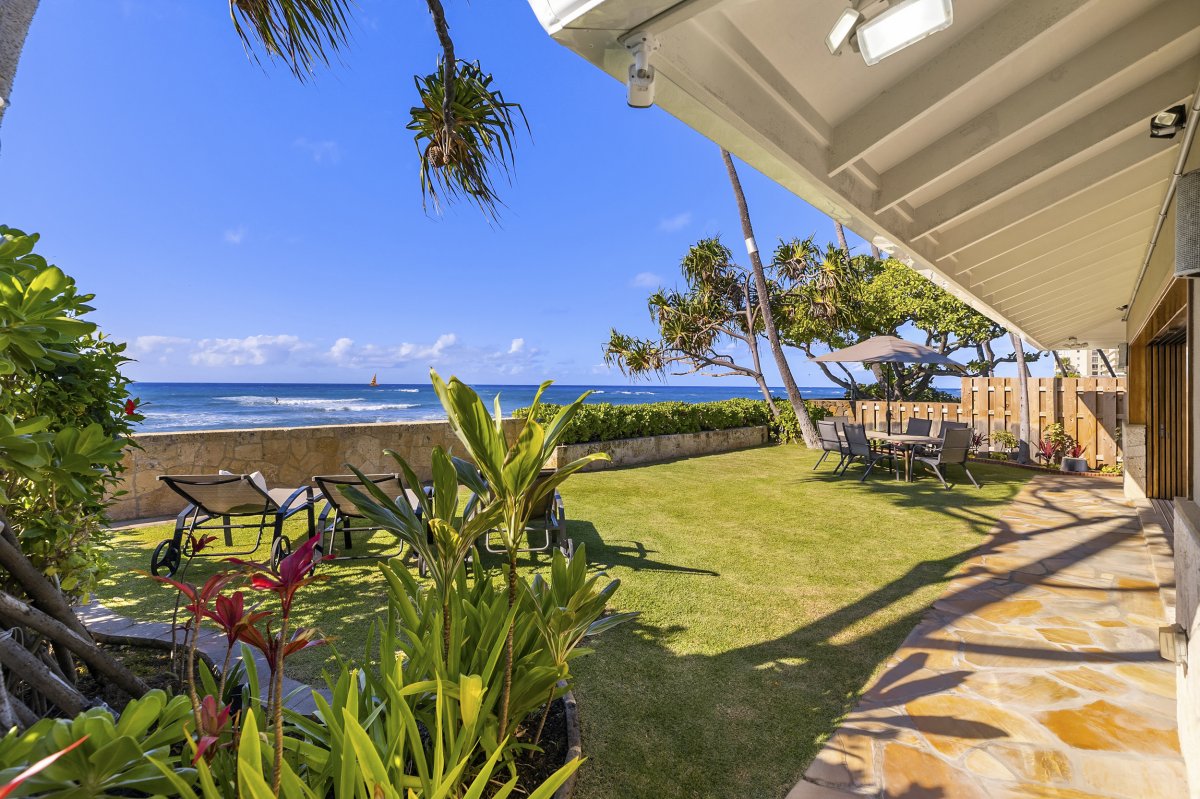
237, 225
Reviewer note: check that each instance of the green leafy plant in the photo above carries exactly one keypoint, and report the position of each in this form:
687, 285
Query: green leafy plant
1055, 443
508, 475
113, 761
1112, 468
63, 419
1004, 440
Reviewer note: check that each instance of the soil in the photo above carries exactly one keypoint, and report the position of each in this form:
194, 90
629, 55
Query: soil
535, 767
153, 665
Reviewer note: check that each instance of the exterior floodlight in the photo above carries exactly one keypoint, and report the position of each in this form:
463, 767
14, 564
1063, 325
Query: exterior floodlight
905, 23
847, 21
1165, 124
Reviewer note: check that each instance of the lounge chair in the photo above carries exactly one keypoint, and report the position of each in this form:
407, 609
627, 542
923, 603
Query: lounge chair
831, 442
339, 513
214, 501
956, 445
859, 449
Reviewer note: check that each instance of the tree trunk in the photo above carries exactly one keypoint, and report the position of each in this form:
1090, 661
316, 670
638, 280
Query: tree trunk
96, 658
22, 662
841, 237
807, 428
1022, 400
15, 16
752, 344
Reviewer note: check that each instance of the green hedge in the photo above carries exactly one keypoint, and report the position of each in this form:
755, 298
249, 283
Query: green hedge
604, 421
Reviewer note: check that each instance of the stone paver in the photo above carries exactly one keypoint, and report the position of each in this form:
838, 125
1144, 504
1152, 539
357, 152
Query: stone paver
1037, 672
100, 619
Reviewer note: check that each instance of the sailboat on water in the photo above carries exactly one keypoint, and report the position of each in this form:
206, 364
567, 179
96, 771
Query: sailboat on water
374, 380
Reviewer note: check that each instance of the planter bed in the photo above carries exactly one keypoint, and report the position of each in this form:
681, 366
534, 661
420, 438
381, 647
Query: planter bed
1033, 467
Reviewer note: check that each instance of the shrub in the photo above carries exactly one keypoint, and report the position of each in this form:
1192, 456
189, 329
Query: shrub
602, 421
64, 417
928, 394
1005, 440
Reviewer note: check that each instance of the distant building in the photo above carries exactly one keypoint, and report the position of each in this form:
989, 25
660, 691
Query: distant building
1088, 363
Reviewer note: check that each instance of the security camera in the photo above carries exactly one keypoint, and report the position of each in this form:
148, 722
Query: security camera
641, 73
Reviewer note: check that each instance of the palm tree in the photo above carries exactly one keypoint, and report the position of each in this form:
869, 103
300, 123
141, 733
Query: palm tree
463, 127
15, 16
807, 429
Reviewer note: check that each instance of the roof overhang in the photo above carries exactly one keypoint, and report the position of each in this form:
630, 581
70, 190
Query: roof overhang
1008, 158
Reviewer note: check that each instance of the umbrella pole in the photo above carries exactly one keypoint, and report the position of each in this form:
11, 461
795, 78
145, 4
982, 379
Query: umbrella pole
888, 388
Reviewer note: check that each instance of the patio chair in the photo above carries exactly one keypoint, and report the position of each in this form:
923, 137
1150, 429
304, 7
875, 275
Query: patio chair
859, 448
929, 449
214, 501
956, 445
831, 442
549, 518
340, 514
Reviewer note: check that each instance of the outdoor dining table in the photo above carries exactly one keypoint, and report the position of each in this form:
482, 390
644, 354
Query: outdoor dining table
906, 444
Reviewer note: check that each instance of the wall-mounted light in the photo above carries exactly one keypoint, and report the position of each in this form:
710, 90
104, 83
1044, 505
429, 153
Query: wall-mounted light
842, 30
1165, 124
903, 23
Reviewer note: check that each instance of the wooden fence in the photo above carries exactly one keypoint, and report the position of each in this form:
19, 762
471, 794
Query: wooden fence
1090, 408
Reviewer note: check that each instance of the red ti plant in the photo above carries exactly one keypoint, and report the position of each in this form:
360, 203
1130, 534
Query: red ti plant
211, 721
231, 616
295, 572
1047, 450
1076, 450
198, 602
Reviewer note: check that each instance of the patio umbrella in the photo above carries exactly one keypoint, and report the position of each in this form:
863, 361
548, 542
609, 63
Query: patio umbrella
887, 350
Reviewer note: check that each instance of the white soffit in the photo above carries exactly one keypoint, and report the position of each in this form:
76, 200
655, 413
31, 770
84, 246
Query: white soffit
1008, 157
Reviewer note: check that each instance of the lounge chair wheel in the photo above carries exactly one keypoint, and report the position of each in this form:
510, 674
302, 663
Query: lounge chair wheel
280, 548
165, 560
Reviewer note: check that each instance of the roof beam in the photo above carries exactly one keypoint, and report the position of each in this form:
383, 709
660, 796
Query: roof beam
1092, 136
1043, 284
1120, 233
1004, 36
1127, 188
1143, 155
1069, 236
1156, 35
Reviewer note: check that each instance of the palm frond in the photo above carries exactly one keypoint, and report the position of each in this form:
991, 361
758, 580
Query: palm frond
462, 151
303, 33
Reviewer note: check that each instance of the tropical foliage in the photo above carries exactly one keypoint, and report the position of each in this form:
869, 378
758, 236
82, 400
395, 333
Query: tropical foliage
607, 422
64, 418
882, 297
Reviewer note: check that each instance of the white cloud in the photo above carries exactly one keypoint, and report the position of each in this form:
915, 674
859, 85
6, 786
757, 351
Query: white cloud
324, 151
235, 235
517, 345
673, 223
345, 352
646, 280
248, 351
155, 343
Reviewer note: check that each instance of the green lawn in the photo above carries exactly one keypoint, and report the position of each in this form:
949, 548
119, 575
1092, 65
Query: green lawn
769, 595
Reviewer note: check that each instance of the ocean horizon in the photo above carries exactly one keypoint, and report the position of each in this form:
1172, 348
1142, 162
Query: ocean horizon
177, 407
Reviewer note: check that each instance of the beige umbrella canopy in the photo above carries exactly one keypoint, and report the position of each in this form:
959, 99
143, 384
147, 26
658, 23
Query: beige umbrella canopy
887, 349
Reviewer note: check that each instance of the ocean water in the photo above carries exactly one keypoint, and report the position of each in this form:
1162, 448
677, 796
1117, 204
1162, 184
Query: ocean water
225, 406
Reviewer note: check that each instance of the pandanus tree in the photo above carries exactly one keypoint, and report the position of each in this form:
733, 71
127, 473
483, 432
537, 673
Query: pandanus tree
718, 307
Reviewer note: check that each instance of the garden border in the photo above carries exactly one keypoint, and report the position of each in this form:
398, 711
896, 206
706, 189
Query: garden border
659, 449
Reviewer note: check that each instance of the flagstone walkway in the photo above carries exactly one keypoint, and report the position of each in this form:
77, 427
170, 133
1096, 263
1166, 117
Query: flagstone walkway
1036, 674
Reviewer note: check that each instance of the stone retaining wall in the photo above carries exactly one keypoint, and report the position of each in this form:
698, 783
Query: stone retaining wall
290, 456
652, 449
287, 456
837, 407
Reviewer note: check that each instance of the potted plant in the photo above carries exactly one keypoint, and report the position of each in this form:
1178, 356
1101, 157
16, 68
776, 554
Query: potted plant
978, 439
1073, 460
1004, 441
